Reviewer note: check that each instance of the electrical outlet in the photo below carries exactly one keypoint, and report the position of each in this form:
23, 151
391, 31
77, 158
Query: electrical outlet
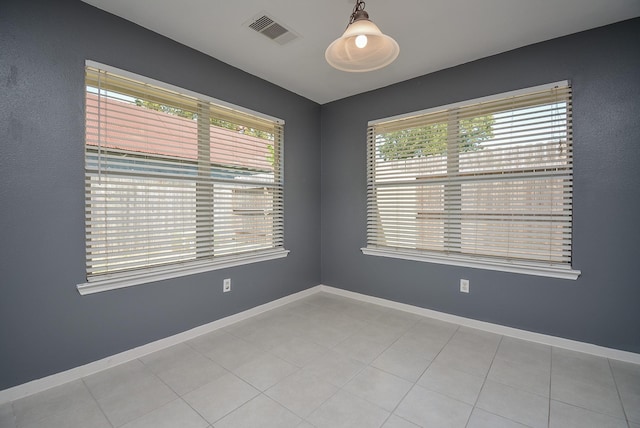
226, 285
464, 285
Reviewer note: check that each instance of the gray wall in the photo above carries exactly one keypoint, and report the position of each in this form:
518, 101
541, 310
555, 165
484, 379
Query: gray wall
603, 306
45, 325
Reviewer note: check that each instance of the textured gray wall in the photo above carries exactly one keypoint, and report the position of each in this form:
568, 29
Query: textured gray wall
45, 325
603, 305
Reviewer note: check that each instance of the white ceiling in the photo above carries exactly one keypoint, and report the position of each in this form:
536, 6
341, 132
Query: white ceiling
432, 35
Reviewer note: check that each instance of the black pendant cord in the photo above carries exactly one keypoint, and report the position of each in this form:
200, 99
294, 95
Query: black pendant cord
358, 12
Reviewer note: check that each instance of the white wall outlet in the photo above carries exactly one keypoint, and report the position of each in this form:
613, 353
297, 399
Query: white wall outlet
226, 285
464, 285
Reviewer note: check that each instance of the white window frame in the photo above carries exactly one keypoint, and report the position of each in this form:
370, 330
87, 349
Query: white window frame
376, 246
142, 275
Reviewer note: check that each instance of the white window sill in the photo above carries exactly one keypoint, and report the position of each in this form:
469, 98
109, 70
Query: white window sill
479, 263
112, 282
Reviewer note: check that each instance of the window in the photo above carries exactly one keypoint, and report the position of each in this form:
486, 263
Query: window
485, 183
175, 182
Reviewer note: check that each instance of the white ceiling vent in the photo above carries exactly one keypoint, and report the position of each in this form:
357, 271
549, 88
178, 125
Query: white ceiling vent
268, 27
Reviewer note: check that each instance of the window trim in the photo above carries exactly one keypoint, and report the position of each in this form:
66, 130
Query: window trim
545, 269
477, 262
115, 280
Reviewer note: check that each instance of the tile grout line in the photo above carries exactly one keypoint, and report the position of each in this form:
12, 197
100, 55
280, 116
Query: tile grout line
13, 414
486, 377
577, 406
97, 402
341, 388
550, 380
368, 365
615, 382
391, 413
181, 397
421, 374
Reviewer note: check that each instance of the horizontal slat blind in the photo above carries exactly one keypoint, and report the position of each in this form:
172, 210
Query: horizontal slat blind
171, 178
490, 179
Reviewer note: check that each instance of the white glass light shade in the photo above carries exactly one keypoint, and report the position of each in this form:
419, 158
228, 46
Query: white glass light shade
345, 55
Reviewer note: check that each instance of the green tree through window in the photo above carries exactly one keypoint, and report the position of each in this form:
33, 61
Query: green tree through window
432, 139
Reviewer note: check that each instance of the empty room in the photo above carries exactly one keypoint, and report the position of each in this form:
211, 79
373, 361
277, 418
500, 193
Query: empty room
329, 214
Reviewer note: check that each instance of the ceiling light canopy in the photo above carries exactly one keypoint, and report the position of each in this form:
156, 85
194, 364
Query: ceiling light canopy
362, 47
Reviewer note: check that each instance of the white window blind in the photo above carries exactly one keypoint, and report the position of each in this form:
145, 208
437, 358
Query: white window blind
175, 180
488, 182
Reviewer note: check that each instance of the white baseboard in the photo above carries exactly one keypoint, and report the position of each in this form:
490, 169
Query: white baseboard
58, 379
75, 373
559, 342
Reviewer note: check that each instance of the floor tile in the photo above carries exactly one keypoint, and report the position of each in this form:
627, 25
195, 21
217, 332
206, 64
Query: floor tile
515, 404
126, 399
407, 359
61, 399
344, 410
335, 368
528, 354
627, 378
576, 365
356, 310
274, 334
325, 300
182, 368
397, 422
529, 377
360, 348
380, 332
7, 419
568, 416
325, 334
298, 351
380, 388
265, 371
220, 397
476, 339
430, 409
261, 412
207, 342
330, 361
398, 318
452, 383
174, 414
465, 358
366, 312
593, 392
227, 350
292, 325
299, 307
432, 330
87, 415
427, 347
168, 358
243, 328
302, 392
483, 419
119, 378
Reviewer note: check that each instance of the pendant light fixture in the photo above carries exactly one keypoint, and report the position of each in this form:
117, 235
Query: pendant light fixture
362, 47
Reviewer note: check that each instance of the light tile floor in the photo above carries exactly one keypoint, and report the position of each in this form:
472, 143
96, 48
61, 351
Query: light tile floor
329, 361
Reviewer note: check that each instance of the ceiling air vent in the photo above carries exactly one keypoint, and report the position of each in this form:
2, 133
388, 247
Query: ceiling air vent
268, 27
